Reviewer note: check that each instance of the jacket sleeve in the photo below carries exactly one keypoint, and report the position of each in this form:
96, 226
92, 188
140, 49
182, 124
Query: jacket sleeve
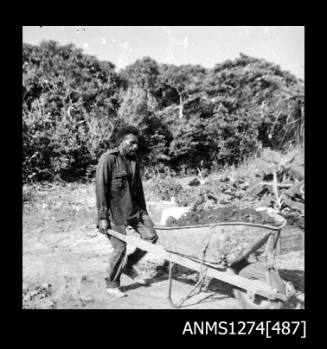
102, 187
140, 192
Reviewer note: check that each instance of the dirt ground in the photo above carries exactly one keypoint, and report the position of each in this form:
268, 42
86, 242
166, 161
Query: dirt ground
65, 260
66, 270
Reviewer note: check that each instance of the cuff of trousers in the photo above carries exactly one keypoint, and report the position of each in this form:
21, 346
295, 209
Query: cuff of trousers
103, 213
112, 284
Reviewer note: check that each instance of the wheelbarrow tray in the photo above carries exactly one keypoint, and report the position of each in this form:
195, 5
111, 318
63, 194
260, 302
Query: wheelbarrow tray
227, 242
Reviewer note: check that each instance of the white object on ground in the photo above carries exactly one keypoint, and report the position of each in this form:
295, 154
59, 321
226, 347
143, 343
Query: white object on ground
175, 212
273, 213
155, 209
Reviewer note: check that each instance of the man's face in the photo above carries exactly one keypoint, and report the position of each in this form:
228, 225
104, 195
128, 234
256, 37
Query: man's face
129, 145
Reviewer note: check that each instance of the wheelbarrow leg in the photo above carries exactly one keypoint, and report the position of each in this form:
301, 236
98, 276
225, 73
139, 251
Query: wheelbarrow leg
195, 290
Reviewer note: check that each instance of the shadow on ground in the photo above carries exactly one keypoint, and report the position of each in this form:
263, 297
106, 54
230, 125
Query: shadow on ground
212, 290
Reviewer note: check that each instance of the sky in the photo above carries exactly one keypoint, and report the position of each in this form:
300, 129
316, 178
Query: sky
204, 45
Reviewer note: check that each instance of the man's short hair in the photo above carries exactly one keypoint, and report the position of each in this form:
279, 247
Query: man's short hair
126, 130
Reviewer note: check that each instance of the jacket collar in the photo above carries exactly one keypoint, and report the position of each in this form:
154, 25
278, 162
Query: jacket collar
114, 151
133, 163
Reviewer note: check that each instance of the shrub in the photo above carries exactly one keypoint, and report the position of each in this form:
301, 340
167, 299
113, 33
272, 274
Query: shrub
186, 114
164, 188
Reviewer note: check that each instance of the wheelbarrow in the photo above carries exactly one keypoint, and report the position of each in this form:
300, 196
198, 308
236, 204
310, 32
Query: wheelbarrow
238, 253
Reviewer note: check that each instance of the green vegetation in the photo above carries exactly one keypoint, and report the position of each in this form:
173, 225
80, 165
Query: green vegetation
189, 116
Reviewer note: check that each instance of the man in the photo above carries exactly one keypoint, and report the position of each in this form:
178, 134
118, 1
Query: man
120, 202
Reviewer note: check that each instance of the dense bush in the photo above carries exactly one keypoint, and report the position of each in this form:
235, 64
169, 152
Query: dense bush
164, 188
188, 116
69, 99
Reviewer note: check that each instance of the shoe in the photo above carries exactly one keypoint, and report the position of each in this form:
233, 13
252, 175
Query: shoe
133, 274
116, 292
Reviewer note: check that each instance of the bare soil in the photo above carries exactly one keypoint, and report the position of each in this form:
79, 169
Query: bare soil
65, 261
66, 271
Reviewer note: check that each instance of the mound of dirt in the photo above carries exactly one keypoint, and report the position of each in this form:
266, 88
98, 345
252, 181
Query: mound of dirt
231, 213
223, 214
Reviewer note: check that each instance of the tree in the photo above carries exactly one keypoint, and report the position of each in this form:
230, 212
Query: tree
185, 80
142, 74
186, 114
65, 92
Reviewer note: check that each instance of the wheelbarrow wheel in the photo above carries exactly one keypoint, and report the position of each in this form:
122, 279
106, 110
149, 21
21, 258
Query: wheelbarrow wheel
257, 271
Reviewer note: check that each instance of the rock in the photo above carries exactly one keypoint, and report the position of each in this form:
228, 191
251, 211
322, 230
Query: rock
297, 172
46, 285
296, 191
224, 199
194, 182
244, 185
87, 299
229, 192
212, 197
33, 294
86, 278
300, 297
258, 190
52, 305
294, 205
171, 221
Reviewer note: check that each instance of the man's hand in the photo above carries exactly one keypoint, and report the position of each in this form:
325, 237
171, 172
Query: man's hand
104, 225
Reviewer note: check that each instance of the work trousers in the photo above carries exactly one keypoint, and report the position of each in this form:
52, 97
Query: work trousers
118, 261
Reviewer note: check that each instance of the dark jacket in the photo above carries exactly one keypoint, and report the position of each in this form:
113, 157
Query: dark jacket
117, 197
